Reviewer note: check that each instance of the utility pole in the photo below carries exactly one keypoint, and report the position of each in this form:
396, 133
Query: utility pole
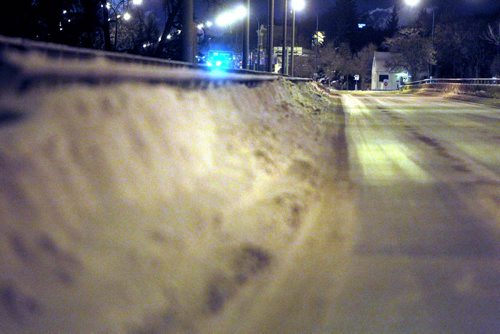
246, 37
284, 58
432, 35
187, 31
260, 44
270, 36
317, 41
292, 60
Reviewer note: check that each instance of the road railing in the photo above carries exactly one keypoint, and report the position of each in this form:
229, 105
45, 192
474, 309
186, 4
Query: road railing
11, 47
468, 81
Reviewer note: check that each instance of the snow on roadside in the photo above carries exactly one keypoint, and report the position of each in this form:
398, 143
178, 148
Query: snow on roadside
137, 207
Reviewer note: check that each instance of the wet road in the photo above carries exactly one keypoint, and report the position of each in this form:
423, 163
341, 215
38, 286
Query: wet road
426, 256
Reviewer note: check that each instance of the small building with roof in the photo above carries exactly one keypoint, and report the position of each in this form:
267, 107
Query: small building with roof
384, 75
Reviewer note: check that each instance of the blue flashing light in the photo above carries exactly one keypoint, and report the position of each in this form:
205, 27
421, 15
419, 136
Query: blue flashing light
220, 59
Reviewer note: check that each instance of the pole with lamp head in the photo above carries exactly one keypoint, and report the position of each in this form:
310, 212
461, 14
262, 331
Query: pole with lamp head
270, 35
297, 5
284, 58
187, 12
246, 36
230, 17
414, 3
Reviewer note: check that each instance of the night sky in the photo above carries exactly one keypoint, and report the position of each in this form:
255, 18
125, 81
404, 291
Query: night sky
317, 6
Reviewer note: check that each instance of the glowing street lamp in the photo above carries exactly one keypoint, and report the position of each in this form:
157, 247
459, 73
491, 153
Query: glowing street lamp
412, 3
225, 19
240, 12
297, 5
284, 58
230, 17
120, 6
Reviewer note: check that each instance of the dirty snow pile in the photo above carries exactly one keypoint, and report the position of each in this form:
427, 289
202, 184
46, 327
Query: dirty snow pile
141, 208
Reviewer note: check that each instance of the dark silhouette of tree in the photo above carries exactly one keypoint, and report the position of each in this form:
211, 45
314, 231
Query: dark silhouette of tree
412, 52
169, 43
139, 35
94, 25
344, 26
48, 16
461, 52
495, 66
492, 34
338, 65
392, 24
73, 22
18, 19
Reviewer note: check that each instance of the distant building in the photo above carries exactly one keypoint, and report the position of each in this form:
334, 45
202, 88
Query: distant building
384, 77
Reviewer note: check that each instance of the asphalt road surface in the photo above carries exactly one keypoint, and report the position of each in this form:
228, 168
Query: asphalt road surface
418, 182
426, 255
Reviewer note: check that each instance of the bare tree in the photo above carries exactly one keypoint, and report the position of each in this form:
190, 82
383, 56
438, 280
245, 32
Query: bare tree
492, 34
172, 20
412, 51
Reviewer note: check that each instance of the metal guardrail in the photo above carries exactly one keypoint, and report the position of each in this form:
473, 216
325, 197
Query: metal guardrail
56, 51
468, 81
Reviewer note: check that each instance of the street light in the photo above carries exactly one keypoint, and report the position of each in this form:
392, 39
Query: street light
230, 17
124, 4
297, 5
414, 3
284, 63
246, 37
270, 35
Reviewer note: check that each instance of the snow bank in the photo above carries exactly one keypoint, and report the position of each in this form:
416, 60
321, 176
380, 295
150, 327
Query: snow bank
488, 91
146, 208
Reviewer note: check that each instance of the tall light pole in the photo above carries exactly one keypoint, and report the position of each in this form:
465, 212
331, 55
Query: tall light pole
270, 35
230, 17
246, 37
261, 32
317, 44
414, 3
188, 32
297, 5
284, 58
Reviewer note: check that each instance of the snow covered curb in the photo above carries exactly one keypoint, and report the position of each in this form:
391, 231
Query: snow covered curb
138, 207
467, 89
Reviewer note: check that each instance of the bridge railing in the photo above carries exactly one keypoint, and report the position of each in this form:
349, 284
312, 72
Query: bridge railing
468, 81
68, 52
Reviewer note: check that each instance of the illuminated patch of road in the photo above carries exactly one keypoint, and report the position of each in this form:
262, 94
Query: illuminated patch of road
378, 157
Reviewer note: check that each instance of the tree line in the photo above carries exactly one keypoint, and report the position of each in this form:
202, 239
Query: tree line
111, 25
457, 45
